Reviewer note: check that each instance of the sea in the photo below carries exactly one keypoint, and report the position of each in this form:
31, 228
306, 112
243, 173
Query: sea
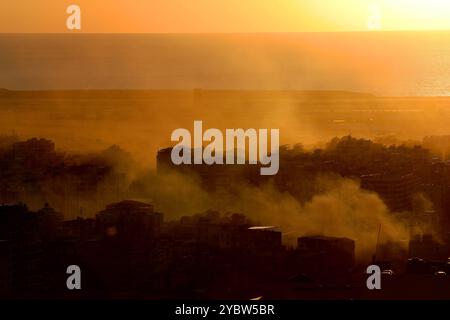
380, 63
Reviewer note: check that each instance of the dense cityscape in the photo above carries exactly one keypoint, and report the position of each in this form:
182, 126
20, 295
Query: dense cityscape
61, 209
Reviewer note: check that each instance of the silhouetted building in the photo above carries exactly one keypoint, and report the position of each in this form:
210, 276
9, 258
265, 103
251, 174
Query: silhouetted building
16, 222
49, 222
129, 220
164, 161
425, 247
396, 190
80, 228
330, 252
21, 250
233, 232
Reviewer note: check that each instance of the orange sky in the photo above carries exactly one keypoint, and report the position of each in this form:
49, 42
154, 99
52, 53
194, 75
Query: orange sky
224, 15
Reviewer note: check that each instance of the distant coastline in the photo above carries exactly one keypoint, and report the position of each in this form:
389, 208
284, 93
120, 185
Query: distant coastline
381, 63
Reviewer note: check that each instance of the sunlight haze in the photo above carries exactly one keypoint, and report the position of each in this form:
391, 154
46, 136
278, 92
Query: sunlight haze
206, 16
